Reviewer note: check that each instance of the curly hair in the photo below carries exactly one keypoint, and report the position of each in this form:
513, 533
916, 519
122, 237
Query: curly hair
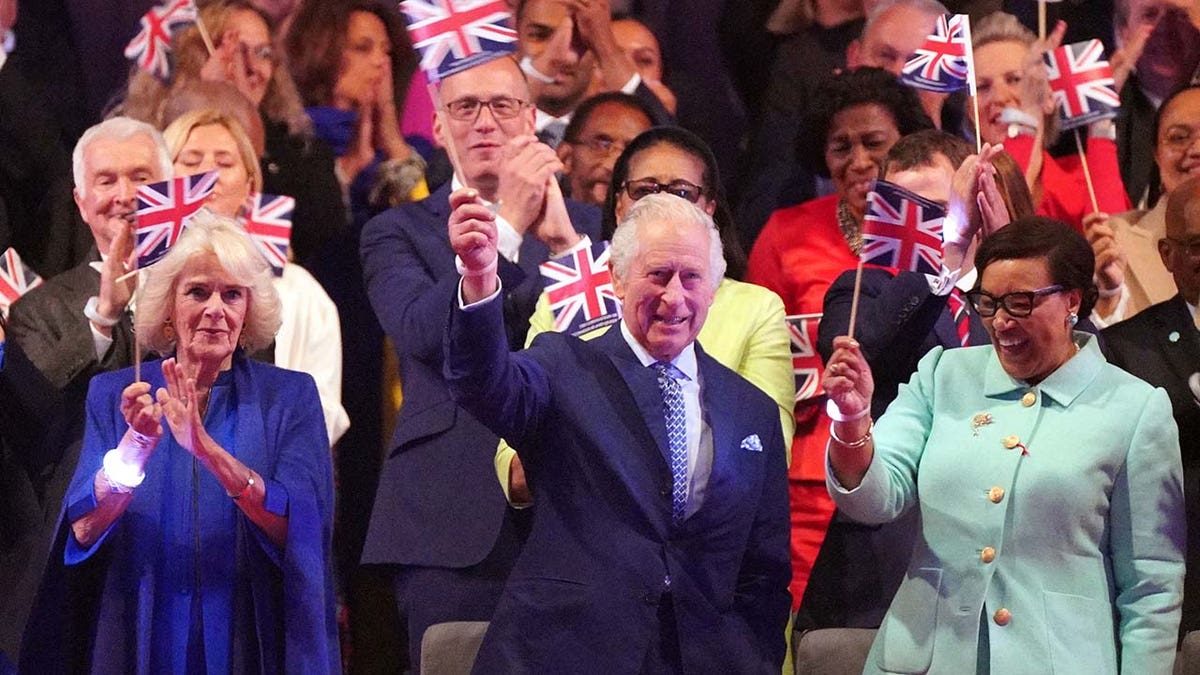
861, 86
145, 94
317, 38
223, 237
685, 141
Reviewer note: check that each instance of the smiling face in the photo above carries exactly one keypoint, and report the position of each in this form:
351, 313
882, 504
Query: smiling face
112, 171
209, 312
211, 147
571, 61
999, 69
665, 164
255, 38
1177, 151
859, 139
1032, 347
587, 163
669, 287
479, 144
365, 60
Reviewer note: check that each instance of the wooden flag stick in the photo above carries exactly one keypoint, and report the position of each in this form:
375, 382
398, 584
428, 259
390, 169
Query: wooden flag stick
1087, 174
978, 133
854, 300
137, 337
1042, 20
208, 43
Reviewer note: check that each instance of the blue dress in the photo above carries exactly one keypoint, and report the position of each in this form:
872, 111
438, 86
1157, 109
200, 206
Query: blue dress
183, 582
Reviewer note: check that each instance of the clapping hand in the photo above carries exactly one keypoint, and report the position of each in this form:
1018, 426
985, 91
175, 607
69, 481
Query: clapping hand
181, 406
528, 170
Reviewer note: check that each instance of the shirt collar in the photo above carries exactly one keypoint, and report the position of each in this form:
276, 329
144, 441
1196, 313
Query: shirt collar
967, 281
1063, 385
685, 361
542, 119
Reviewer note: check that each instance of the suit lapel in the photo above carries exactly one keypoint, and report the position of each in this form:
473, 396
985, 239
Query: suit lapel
1183, 353
641, 383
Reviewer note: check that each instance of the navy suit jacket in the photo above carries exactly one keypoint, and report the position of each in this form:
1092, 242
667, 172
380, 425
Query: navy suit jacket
584, 594
1161, 345
438, 502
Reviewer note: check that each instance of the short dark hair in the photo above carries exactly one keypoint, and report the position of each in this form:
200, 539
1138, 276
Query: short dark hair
1068, 255
861, 86
922, 148
686, 141
585, 109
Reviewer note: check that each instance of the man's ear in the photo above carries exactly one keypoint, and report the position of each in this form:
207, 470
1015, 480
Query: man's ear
566, 155
438, 129
1164, 252
617, 282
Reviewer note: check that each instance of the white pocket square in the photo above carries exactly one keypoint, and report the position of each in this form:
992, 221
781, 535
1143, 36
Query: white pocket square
752, 443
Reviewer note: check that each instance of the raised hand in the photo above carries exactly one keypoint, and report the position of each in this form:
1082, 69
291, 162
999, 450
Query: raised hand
181, 406
472, 232
554, 228
847, 380
1110, 257
115, 292
141, 411
528, 168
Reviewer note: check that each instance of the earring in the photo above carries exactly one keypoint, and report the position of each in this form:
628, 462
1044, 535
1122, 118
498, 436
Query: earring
168, 330
1072, 319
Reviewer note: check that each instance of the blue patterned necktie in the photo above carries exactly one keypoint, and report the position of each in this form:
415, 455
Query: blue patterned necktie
673, 413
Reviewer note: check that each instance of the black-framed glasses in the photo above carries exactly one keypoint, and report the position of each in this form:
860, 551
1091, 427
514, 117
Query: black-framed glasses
467, 109
644, 187
1016, 303
1190, 248
601, 144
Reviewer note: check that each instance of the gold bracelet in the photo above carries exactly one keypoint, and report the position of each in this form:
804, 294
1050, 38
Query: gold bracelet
244, 490
856, 444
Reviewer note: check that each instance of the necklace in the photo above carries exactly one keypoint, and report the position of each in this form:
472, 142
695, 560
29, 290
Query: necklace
850, 227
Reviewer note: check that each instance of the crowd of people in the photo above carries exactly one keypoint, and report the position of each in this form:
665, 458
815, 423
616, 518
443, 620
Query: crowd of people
229, 463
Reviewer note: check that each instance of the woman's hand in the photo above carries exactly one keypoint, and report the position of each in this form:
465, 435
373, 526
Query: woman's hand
847, 380
387, 138
1035, 85
1110, 261
227, 63
181, 405
141, 411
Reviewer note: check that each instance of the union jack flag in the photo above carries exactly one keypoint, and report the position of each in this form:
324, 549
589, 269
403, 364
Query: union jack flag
151, 47
16, 279
902, 230
944, 62
163, 210
454, 35
268, 221
579, 287
1082, 84
806, 362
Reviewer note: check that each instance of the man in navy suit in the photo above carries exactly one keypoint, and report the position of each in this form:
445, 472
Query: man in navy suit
660, 539
440, 516
1161, 345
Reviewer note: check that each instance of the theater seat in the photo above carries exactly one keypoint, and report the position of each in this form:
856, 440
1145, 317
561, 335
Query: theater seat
450, 648
832, 651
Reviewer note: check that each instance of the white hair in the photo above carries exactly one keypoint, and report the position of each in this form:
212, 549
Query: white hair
119, 129
664, 209
224, 238
930, 7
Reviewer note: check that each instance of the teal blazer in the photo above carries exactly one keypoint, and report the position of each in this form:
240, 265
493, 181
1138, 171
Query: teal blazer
1053, 527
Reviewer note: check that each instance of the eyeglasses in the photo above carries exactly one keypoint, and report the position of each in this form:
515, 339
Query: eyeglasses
502, 107
1190, 248
601, 145
260, 52
1016, 303
644, 187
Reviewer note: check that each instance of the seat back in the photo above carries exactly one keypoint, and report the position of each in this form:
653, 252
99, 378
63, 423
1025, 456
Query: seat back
450, 648
832, 651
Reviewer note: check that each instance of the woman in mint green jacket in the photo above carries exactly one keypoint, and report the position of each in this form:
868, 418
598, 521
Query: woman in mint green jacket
1048, 482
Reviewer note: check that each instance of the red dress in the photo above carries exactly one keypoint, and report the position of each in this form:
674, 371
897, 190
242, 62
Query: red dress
799, 254
1064, 188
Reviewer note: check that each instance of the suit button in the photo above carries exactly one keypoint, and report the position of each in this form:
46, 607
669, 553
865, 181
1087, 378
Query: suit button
1029, 398
996, 494
1002, 617
666, 492
1011, 442
988, 554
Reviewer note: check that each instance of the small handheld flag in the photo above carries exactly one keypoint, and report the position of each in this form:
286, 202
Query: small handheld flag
1082, 84
150, 49
454, 35
16, 279
579, 287
944, 62
268, 221
902, 230
806, 362
163, 211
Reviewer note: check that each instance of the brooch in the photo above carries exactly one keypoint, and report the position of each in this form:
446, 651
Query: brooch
980, 420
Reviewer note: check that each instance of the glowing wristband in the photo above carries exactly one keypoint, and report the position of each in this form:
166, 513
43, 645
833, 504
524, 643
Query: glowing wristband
466, 273
91, 311
119, 474
836, 414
